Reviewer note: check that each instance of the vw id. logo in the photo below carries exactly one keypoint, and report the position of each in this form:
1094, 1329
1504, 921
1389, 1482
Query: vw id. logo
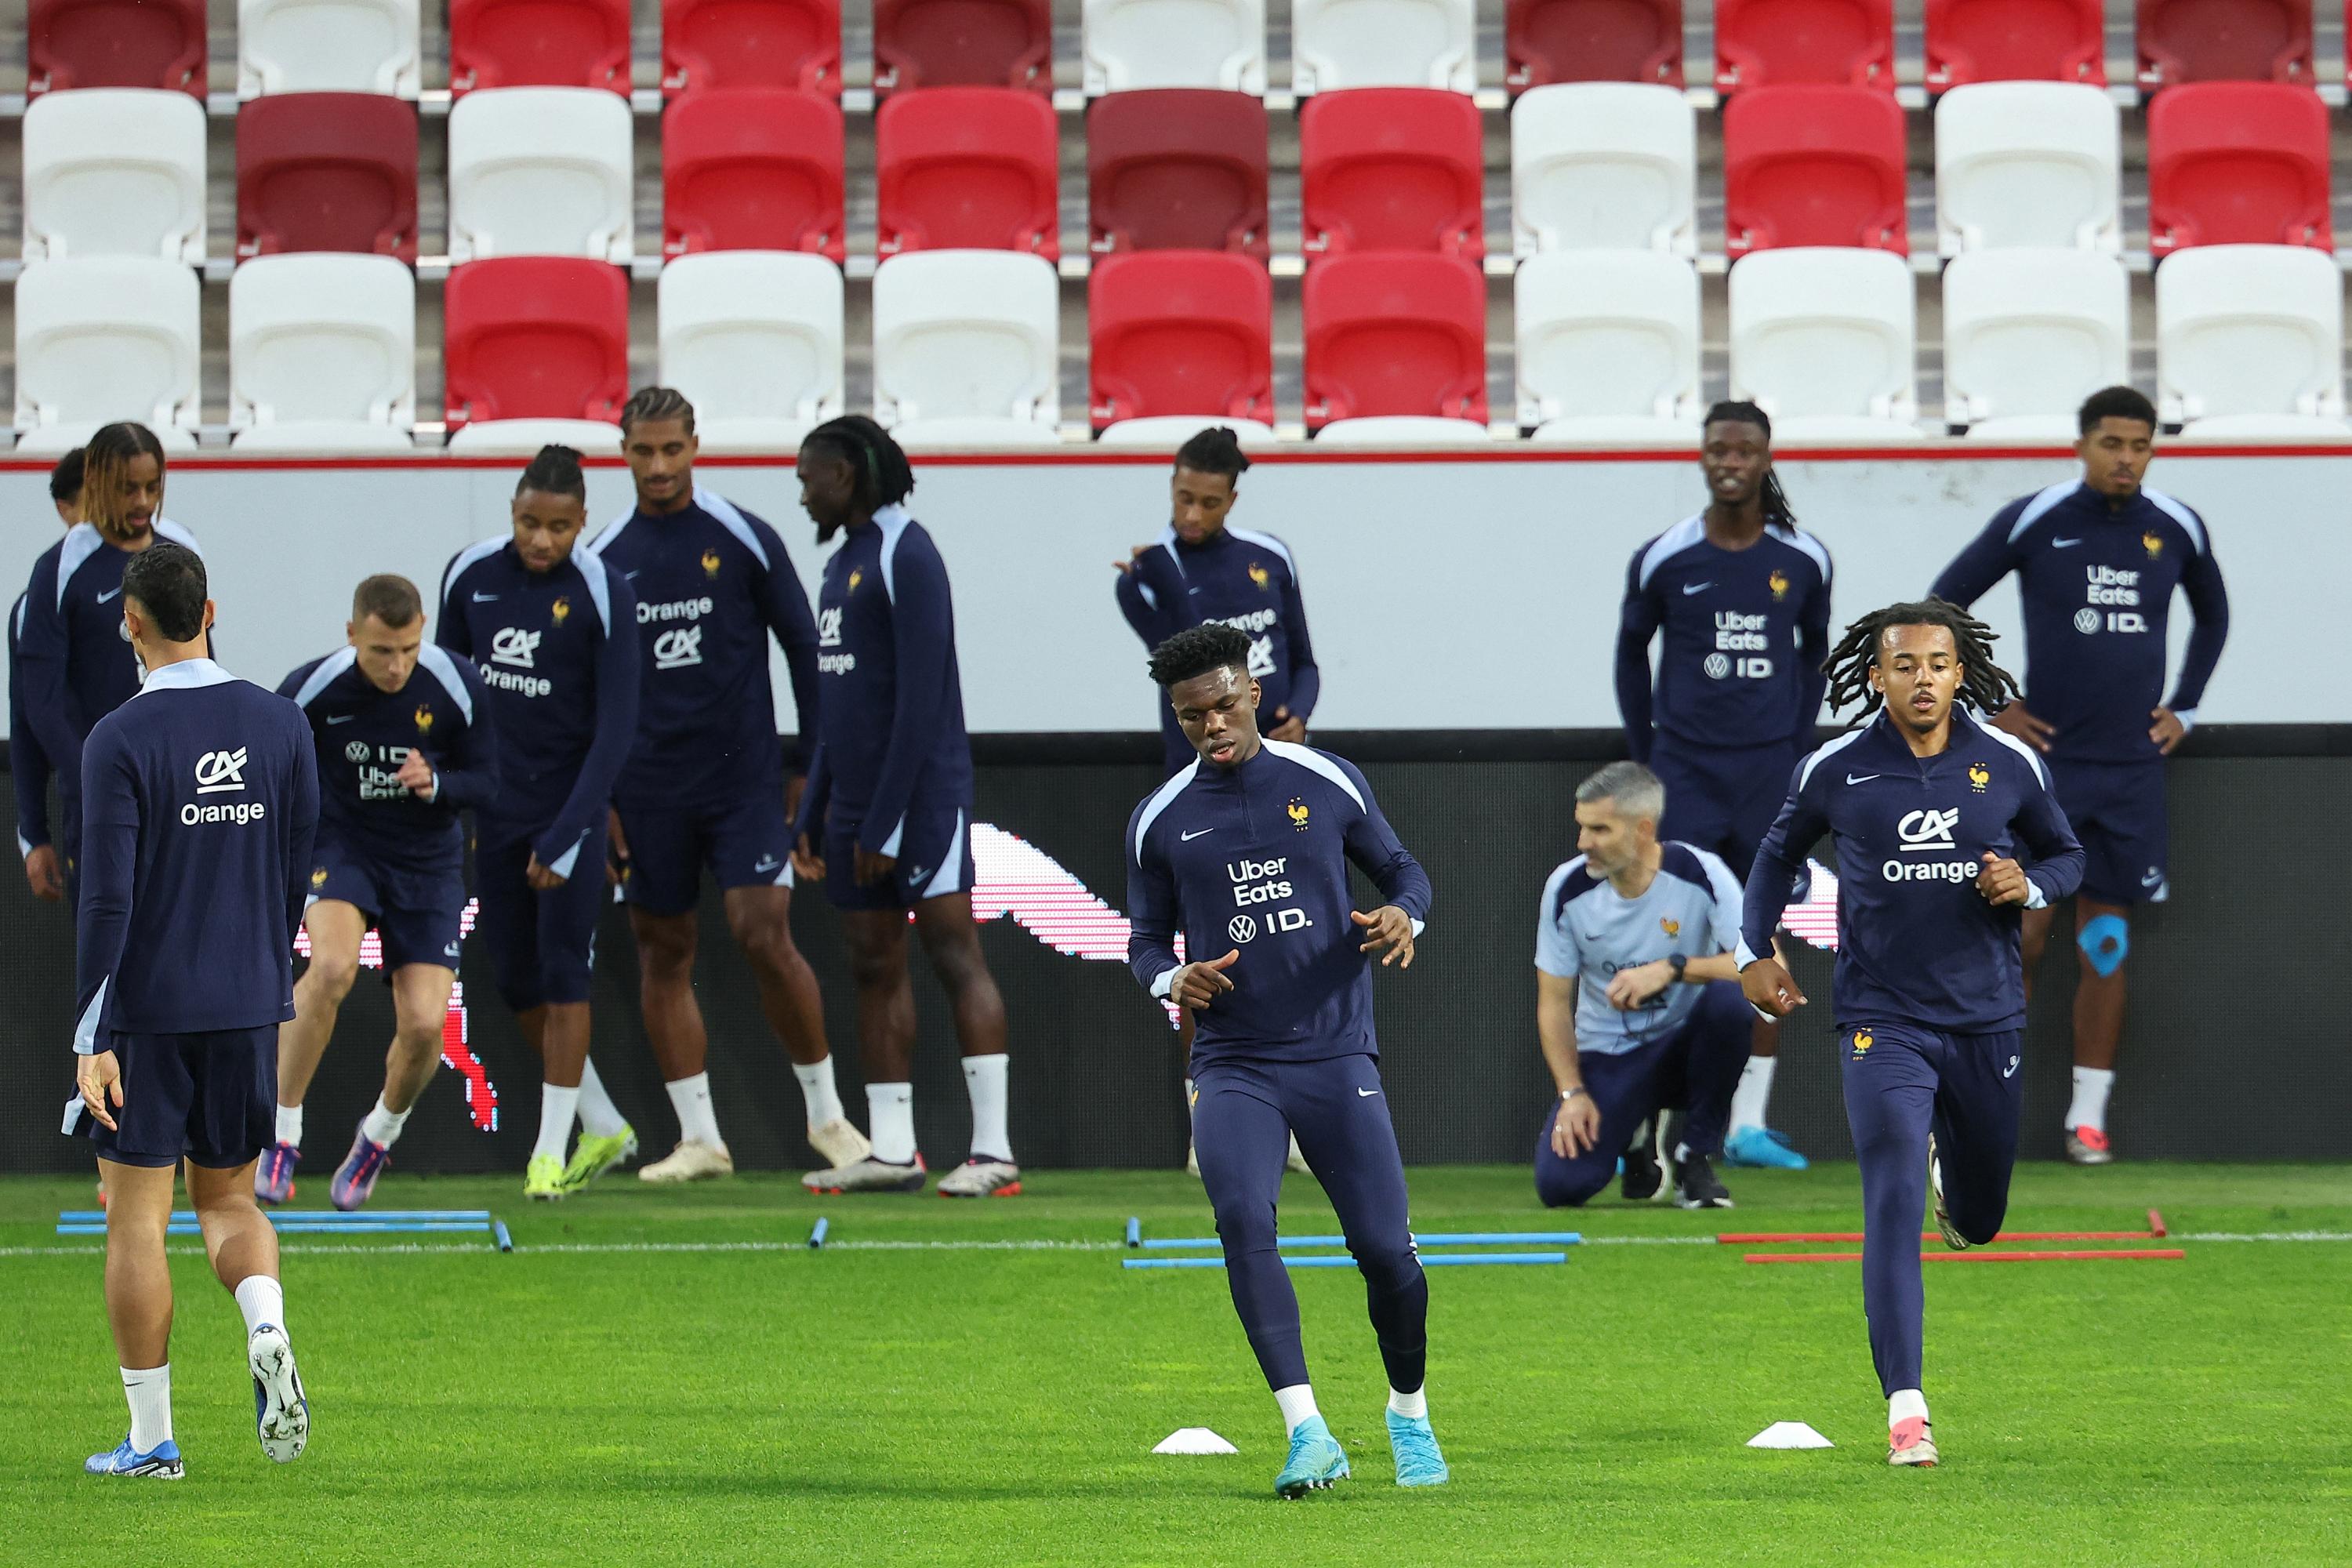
1242, 928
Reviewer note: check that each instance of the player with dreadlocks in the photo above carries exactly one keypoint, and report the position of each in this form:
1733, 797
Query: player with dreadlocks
886, 821
1932, 807
1742, 596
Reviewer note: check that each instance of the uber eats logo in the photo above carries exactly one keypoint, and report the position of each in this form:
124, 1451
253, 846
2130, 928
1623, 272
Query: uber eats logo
1262, 882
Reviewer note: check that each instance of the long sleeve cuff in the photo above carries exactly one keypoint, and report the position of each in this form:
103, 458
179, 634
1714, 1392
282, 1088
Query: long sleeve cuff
2035, 899
1164, 982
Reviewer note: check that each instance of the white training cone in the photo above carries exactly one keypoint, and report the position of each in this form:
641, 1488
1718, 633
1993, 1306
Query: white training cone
1788, 1435
1193, 1440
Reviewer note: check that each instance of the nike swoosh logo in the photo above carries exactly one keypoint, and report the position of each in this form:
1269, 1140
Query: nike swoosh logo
770, 864
1861, 778
343, 718
1690, 588
484, 598
1188, 838
2012, 1068
2064, 544
1366, 1093
630, 577
103, 597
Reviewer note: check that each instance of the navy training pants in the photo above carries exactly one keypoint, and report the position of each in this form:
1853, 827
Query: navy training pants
1693, 1069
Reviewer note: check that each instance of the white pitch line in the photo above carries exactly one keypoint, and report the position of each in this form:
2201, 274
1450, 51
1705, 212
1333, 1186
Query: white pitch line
2263, 1235
1649, 1241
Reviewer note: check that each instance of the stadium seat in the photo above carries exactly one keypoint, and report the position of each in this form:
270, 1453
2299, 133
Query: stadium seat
1813, 166
1625, 430
2237, 163
1403, 430
1822, 340
327, 46
323, 351
539, 43
753, 338
1548, 41
2028, 163
1176, 331
535, 337
1133, 45
1395, 334
1166, 432
2224, 40
115, 171
972, 431
1337, 44
967, 168
964, 43
1177, 169
541, 170
2028, 334
1603, 166
116, 43
1775, 43
106, 338
2016, 41
711, 44
751, 168
1609, 336
327, 170
2249, 330
1392, 168
524, 437
962, 334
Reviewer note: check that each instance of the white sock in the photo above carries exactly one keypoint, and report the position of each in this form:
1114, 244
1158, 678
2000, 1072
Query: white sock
384, 1124
698, 1119
890, 1122
984, 1077
1748, 1101
599, 1117
1298, 1404
818, 1092
149, 1391
289, 1125
1414, 1406
262, 1300
557, 1106
1905, 1404
2089, 1106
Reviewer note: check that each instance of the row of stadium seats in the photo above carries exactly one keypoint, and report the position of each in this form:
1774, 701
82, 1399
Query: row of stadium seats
966, 346
373, 46
548, 171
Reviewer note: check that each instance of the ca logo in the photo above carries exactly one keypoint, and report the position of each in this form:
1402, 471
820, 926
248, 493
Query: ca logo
217, 772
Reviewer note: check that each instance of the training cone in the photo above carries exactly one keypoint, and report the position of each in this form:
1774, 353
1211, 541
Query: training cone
1193, 1440
1788, 1435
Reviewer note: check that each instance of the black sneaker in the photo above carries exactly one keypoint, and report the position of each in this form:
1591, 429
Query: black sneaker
1697, 1186
1642, 1178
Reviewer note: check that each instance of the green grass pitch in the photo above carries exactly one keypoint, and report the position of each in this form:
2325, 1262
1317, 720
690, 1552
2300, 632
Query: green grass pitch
887, 1401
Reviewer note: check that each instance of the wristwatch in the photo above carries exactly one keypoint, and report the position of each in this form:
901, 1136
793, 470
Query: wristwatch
1678, 962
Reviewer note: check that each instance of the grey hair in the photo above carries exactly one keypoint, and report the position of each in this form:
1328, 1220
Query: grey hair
1636, 790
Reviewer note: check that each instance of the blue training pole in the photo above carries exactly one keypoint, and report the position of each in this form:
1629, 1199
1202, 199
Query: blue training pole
1437, 1260
1442, 1238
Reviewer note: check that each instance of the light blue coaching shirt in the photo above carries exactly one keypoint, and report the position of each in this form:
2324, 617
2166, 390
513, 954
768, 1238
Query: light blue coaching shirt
1587, 931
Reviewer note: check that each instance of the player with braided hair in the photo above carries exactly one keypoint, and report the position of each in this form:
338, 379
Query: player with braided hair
1946, 833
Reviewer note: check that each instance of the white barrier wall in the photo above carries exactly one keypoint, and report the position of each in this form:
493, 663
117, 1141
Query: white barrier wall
1441, 593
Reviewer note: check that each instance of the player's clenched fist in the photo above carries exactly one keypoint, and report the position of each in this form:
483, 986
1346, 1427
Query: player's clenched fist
2003, 881
1769, 989
1198, 984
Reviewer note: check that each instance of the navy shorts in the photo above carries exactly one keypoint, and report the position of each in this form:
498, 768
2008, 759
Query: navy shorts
542, 946
419, 915
747, 842
933, 850
2117, 811
211, 1099
1722, 798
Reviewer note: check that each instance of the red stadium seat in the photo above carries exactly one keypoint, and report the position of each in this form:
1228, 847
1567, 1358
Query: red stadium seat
539, 43
751, 168
964, 43
1814, 165
1392, 168
1548, 41
751, 43
327, 170
117, 43
967, 168
1177, 331
1395, 334
2237, 163
536, 337
2016, 41
2224, 40
1177, 169
1773, 43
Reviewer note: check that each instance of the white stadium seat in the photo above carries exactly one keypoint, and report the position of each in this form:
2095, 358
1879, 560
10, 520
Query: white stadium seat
1166, 432
964, 334
541, 170
1607, 334
2028, 163
1132, 44
1403, 430
1337, 44
1604, 164
1822, 340
115, 171
753, 338
2249, 330
1628, 430
320, 343
524, 437
972, 431
106, 338
327, 46
2028, 334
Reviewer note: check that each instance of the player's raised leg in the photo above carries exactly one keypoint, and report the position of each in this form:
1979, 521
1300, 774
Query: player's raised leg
1978, 1093
420, 1007
242, 1246
335, 928
759, 918
139, 1311
1890, 1098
